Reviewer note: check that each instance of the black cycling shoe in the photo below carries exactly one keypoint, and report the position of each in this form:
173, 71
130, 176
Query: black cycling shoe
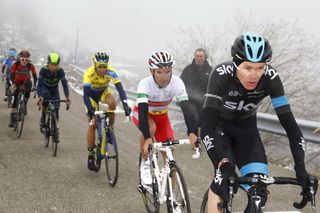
91, 165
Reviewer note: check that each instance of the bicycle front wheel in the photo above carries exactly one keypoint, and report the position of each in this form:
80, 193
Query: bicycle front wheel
54, 136
112, 157
20, 119
177, 193
204, 203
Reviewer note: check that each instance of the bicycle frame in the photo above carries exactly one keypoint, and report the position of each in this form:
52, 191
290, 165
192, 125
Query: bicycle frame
163, 176
101, 130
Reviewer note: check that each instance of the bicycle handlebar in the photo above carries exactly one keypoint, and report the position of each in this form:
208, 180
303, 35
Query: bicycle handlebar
274, 180
171, 143
105, 112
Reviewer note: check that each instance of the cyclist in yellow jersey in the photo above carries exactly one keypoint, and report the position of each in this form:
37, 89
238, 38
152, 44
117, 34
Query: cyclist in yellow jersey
96, 89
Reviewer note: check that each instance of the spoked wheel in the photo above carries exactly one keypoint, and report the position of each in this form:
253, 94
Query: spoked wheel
204, 203
20, 119
149, 194
54, 136
112, 157
177, 193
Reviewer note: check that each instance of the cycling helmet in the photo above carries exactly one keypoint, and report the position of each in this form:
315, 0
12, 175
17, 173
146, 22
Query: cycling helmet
160, 60
12, 52
251, 47
100, 58
24, 54
54, 58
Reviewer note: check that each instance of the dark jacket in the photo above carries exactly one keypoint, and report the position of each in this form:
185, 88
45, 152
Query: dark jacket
196, 79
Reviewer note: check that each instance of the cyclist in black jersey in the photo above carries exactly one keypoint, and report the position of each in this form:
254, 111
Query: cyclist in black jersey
228, 124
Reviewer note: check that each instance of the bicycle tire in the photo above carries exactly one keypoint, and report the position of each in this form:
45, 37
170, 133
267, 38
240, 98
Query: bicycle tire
112, 157
54, 135
20, 118
204, 207
151, 204
47, 130
182, 203
97, 154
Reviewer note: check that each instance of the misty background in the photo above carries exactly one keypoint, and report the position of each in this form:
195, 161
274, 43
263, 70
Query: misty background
129, 31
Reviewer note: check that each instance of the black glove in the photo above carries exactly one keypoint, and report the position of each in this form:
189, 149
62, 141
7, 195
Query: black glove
304, 179
91, 112
127, 109
220, 184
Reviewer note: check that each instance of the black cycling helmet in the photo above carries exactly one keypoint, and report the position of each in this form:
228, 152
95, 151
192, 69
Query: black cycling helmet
251, 47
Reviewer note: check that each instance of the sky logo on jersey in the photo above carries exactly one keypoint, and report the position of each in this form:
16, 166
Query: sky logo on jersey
225, 69
271, 72
240, 106
208, 142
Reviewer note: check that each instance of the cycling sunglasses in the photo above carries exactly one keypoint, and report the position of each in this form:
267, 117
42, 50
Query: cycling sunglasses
165, 65
24, 59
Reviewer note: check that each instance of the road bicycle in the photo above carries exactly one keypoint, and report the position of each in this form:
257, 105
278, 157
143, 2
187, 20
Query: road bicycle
107, 147
168, 184
50, 129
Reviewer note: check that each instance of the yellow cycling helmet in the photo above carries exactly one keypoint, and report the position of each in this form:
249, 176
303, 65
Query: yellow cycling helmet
100, 58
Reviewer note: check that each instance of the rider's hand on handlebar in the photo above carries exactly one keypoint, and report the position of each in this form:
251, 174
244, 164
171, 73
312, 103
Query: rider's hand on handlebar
127, 109
91, 112
40, 100
305, 183
193, 139
68, 101
220, 185
146, 145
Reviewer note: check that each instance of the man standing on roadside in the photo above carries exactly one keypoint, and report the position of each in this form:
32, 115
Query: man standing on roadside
195, 76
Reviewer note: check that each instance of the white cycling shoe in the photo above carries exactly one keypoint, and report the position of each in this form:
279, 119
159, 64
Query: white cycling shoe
145, 173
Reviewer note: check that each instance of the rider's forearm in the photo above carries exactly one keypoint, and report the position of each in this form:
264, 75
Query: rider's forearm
143, 120
86, 97
122, 94
189, 118
34, 79
297, 142
209, 122
65, 87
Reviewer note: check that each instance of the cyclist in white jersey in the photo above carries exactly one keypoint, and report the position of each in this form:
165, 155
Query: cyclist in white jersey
155, 93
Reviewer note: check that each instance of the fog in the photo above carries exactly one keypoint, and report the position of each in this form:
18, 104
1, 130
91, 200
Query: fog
133, 29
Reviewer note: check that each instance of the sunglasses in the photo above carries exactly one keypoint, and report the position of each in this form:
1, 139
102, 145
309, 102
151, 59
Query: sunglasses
164, 65
24, 59
102, 67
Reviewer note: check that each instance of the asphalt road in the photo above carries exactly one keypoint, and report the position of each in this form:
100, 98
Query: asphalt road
31, 180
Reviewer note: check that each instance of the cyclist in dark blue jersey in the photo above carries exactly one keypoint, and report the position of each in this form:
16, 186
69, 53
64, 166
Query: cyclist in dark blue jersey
6, 69
47, 89
228, 125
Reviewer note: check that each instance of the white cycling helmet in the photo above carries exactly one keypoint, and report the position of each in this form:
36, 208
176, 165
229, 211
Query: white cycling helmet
160, 60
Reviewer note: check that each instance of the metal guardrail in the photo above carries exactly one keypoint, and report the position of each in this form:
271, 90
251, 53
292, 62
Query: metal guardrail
266, 122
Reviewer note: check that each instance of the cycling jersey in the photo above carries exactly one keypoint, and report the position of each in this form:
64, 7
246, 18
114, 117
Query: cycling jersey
157, 98
95, 86
228, 100
20, 74
50, 80
7, 64
154, 101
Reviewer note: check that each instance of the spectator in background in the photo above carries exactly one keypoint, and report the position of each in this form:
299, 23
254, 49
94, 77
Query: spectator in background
317, 130
195, 77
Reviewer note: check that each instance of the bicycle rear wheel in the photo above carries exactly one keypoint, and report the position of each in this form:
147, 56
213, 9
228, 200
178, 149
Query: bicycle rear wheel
54, 136
178, 201
149, 195
204, 203
20, 118
112, 157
